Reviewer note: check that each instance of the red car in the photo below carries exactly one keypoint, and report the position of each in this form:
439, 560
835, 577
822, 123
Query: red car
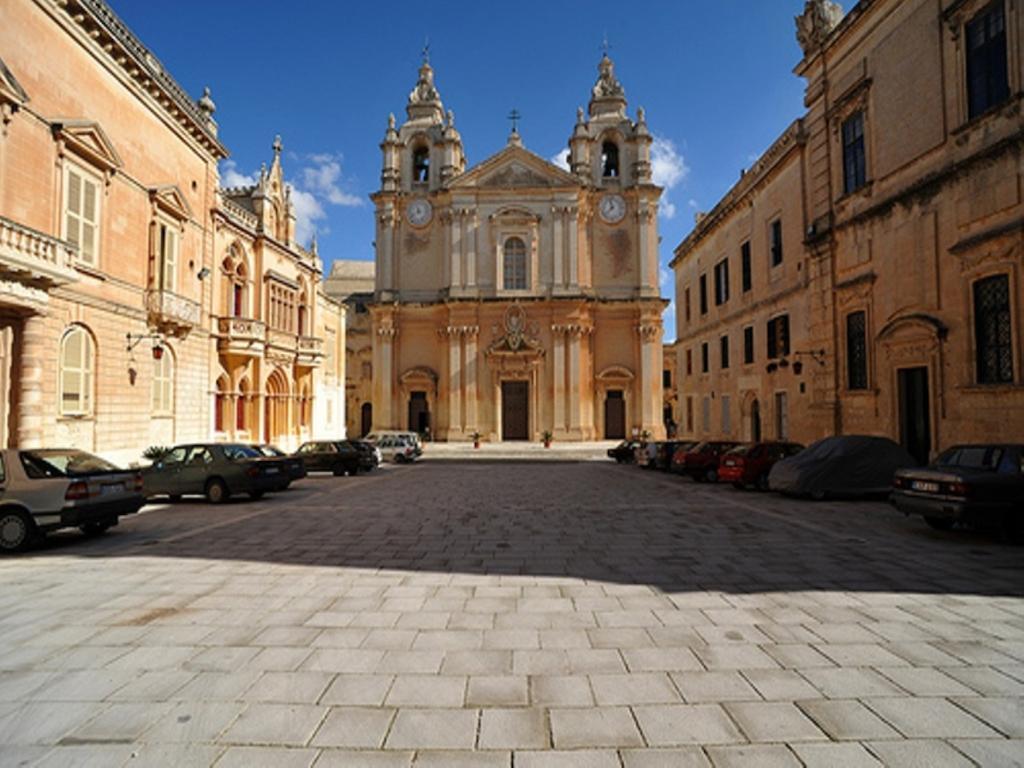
749, 464
701, 461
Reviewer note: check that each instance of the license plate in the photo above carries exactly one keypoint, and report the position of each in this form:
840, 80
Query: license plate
272, 470
925, 487
110, 488
729, 463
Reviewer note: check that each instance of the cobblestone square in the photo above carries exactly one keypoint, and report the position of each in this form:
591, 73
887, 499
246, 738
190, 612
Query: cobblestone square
517, 613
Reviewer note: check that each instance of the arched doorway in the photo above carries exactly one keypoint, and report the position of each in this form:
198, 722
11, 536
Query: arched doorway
755, 421
275, 423
365, 419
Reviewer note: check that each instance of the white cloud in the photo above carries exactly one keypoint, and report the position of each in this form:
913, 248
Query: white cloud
322, 179
693, 204
561, 159
308, 211
668, 169
230, 176
666, 277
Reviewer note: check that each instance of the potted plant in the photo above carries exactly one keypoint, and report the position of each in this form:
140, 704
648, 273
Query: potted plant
546, 436
476, 439
155, 452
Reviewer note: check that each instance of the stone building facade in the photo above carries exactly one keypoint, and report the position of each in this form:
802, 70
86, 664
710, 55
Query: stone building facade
351, 283
874, 253
113, 233
515, 297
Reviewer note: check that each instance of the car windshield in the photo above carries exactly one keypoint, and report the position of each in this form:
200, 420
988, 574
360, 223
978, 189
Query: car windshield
269, 450
742, 450
985, 457
60, 463
240, 452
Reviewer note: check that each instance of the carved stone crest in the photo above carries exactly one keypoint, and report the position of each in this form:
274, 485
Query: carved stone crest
816, 23
517, 338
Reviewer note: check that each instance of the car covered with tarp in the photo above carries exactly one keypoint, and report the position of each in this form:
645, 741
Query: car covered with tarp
845, 466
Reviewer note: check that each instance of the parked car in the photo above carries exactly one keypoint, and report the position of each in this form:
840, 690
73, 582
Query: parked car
214, 470
46, 489
749, 464
413, 437
970, 483
847, 466
337, 456
624, 452
296, 469
667, 449
701, 460
370, 456
398, 449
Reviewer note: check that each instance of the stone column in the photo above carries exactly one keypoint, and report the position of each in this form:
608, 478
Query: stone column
34, 348
651, 392
455, 250
558, 272
575, 364
471, 252
471, 373
558, 366
383, 407
454, 381
385, 250
573, 279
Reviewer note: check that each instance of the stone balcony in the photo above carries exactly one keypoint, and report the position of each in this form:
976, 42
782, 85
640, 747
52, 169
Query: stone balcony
311, 351
33, 260
171, 313
241, 336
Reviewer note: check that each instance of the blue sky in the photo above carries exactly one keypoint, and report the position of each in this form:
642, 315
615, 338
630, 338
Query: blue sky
715, 77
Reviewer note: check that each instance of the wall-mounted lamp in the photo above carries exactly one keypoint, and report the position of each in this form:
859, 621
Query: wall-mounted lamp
817, 355
134, 339
203, 273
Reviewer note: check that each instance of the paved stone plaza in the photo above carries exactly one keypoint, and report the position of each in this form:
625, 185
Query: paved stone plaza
558, 614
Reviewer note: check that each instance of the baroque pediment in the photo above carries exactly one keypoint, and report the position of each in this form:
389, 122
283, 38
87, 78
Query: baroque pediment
171, 199
89, 141
515, 168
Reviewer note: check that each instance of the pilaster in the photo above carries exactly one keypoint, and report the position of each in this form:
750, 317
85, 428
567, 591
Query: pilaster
34, 344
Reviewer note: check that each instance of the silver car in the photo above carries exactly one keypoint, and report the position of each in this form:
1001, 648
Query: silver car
398, 449
42, 490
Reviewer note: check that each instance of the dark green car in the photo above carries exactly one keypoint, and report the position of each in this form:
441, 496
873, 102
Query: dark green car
214, 470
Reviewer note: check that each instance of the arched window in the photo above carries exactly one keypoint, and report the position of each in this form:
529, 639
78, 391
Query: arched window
303, 315
241, 420
515, 265
610, 160
220, 414
421, 164
163, 383
76, 372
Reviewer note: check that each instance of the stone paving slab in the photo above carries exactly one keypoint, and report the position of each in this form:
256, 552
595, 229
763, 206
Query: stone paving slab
545, 615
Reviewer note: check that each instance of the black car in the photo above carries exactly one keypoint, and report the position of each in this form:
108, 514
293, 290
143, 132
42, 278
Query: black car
624, 452
296, 469
338, 456
215, 470
970, 483
369, 458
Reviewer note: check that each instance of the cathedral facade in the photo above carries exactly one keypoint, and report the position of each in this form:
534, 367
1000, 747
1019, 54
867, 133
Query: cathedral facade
515, 298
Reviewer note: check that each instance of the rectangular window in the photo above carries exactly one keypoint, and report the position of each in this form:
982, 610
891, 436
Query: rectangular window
856, 351
781, 416
748, 345
745, 268
666, 379
724, 346
689, 362
703, 294
689, 414
686, 304
993, 330
778, 337
987, 74
854, 160
776, 242
168, 257
726, 416
721, 282
705, 358
705, 408
82, 213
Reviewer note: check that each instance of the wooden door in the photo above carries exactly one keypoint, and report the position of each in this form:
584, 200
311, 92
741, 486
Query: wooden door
615, 415
515, 410
915, 418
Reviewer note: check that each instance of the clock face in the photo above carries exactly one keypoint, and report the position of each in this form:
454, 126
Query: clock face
612, 208
419, 212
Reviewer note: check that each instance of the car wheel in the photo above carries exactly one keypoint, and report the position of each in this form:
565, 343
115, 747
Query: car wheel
762, 482
739, 486
216, 491
16, 531
711, 475
256, 495
819, 495
939, 523
338, 471
175, 497
353, 470
94, 529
